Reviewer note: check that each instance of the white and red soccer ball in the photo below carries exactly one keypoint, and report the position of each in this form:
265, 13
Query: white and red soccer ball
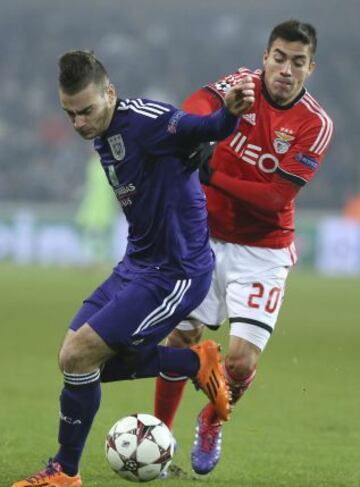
139, 447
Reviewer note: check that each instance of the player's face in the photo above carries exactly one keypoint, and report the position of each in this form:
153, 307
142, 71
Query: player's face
287, 65
90, 110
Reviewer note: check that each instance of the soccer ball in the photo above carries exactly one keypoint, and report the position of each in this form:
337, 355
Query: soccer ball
139, 447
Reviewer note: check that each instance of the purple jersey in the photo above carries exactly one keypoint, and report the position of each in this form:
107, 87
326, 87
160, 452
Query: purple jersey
142, 153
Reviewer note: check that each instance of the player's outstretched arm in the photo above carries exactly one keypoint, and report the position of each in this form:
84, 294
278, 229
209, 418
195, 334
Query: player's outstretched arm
187, 130
268, 197
202, 102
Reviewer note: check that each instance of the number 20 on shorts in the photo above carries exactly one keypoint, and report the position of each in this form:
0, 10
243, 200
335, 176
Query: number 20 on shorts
260, 297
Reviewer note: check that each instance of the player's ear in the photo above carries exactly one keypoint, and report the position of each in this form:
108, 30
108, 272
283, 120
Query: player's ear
265, 57
311, 69
111, 92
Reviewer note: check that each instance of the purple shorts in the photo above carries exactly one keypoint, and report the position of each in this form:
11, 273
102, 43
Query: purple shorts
139, 311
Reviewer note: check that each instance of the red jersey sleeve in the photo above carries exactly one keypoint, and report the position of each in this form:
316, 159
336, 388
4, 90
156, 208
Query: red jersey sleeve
304, 158
268, 197
222, 86
211, 97
202, 102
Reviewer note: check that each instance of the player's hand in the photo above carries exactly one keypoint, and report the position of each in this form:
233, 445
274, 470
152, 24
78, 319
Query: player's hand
200, 156
240, 97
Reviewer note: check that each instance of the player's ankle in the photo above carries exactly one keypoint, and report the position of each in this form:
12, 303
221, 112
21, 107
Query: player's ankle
209, 414
69, 470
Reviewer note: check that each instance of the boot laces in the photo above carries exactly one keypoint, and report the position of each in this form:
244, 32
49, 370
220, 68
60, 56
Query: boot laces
51, 469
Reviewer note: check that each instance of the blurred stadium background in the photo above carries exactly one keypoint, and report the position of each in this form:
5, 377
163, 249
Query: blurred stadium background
299, 426
163, 50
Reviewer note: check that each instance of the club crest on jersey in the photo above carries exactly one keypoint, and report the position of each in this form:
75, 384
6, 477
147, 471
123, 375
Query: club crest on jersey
282, 142
117, 146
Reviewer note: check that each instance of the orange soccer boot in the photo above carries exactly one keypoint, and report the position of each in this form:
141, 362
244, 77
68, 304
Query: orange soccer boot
51, 476
210, 377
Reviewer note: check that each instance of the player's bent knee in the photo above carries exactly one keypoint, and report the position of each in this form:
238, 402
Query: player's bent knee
67, 360
184, 338
70, 358
83, 351
77, 360
191, 338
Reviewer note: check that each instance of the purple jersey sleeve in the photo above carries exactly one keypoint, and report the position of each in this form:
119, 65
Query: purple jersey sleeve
216, 126
177, 130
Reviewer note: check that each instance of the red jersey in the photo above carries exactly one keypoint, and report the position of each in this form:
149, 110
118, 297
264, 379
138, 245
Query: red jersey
272, 144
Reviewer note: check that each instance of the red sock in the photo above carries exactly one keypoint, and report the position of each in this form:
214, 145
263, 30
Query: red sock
238, 388
209, 414
168, 394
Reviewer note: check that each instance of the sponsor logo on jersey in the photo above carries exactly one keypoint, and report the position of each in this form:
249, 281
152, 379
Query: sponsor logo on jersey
117, 146
253, 154
282, 142
126, 189
250, 118
174, 120
307, 161
125, 193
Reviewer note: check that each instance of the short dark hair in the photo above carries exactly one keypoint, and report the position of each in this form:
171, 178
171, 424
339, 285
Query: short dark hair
79, 68
292, 31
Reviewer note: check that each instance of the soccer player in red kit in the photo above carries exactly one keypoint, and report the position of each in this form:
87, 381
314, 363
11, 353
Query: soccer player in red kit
251, 183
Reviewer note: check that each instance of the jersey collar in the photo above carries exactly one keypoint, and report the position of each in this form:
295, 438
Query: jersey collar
276, 105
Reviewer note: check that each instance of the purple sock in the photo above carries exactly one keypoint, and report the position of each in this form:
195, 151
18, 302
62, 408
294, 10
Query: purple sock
79, 402
180, 360
150, 363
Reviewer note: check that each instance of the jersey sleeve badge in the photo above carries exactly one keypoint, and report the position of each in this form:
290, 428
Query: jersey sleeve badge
307, 161
222, 86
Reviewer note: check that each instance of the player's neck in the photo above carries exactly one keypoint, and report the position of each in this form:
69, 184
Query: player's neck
274, 104
110, 117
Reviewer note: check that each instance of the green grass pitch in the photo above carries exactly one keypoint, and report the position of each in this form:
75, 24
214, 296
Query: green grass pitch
298, 426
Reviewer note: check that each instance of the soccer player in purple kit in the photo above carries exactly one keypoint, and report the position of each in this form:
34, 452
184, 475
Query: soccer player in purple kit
145, 149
